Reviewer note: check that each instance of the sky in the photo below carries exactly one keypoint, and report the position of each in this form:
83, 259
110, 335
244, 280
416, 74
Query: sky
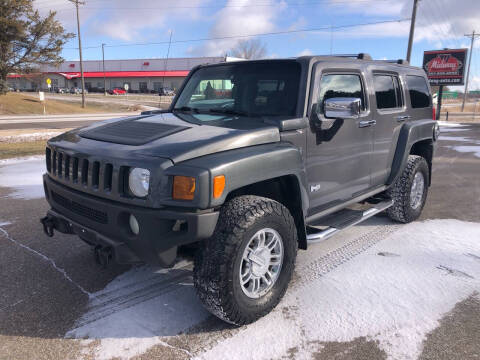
292, 27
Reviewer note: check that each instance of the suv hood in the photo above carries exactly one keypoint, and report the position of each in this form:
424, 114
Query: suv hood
167, 135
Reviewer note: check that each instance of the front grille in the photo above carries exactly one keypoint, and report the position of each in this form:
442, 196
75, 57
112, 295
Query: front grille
79, 172
80, 209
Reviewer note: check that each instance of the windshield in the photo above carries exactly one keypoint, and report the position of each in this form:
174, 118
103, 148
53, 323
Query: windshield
243, 89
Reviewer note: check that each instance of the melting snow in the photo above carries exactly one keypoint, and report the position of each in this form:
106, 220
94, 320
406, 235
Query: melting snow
138, 308
24, 176
396, 300
475, 149
394, 292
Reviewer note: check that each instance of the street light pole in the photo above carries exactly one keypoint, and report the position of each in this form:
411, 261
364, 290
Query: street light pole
412, 29
104, 77
473, 35
77, 2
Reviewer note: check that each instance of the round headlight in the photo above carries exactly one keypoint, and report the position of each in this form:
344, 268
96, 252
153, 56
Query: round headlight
139, 181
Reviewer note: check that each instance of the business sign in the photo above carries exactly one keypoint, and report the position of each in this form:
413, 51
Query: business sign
445, 67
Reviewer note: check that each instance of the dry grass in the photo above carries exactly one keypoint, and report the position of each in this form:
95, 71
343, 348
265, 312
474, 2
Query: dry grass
22, 104
11, 150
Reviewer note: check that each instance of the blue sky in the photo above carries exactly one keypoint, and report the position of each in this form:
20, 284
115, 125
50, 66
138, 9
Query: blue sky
122, 23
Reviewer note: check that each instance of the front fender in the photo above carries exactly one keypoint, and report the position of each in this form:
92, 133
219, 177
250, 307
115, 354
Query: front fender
241, 167
410, 134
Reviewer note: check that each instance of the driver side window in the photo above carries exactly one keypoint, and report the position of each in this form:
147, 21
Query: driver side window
340, 85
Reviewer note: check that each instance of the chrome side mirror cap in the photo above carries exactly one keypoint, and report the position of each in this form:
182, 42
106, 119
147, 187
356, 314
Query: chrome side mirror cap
342, 108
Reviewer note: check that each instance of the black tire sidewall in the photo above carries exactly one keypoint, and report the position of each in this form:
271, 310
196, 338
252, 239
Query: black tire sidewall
257, 307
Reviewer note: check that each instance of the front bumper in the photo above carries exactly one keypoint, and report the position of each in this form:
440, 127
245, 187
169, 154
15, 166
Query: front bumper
105, 223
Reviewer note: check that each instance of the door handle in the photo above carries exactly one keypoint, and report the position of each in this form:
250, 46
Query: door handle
367, 123
403, 118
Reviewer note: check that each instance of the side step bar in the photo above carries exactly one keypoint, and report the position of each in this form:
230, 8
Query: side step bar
330, 231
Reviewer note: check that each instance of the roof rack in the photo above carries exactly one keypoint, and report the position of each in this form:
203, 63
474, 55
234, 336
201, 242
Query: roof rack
360, 56
399, 61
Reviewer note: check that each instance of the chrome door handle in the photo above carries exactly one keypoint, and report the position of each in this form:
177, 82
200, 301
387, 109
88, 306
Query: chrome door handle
403, 118
366, 123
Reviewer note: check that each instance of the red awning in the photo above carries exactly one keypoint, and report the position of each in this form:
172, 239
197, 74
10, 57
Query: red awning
115, 74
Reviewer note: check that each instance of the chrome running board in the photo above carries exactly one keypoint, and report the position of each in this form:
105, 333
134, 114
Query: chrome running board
322, 235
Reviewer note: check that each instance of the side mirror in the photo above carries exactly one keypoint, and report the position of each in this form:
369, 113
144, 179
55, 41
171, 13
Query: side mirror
342, 108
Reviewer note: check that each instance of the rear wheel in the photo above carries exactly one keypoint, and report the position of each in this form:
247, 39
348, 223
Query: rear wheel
243, 271
409, 192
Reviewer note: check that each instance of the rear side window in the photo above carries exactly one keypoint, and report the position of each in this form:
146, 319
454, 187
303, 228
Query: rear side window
341, 85
418, 89
388, 91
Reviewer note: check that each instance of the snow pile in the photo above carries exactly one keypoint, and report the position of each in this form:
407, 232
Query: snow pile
395, 292
24, 176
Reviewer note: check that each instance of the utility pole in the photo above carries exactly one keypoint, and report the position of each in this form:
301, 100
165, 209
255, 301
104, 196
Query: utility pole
104, 77
412, 29
77, 2
472, 35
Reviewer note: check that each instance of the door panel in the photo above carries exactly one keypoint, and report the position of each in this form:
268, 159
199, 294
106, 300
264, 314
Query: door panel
390, 115
338, 163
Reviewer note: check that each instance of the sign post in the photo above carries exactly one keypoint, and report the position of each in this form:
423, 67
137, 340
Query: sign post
49, 83
444, 67
126, 87
41, 97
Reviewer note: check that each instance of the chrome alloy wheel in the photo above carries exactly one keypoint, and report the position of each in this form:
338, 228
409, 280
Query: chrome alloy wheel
416, 192
261, 263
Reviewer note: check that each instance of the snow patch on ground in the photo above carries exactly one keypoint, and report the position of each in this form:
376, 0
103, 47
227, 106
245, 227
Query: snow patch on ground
452, 125
24, 176
396, 300
35, 136
4, 223
473, 149
137, 309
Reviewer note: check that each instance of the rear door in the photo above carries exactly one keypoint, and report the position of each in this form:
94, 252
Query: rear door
390, 114
338, 161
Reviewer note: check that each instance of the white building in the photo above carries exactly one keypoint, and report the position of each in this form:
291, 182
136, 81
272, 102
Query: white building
142, 75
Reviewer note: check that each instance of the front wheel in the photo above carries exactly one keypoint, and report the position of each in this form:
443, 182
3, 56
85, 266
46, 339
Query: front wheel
409, 192
243, 271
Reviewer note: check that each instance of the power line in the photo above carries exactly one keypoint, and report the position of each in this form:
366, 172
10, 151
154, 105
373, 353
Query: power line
326, 27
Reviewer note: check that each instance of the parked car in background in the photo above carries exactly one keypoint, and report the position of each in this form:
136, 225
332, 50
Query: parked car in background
117, 91
166, 92
77, 90
60, 90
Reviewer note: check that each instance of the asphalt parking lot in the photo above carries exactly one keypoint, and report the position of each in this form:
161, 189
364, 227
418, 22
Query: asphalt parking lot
56, 303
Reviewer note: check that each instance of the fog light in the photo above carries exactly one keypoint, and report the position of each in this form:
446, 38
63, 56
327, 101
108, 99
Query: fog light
134, 225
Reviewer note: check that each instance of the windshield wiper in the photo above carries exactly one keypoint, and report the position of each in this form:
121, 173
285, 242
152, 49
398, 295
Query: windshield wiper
187, 109
228, 112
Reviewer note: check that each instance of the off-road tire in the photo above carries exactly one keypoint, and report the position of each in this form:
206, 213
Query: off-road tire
216, 270
401, 210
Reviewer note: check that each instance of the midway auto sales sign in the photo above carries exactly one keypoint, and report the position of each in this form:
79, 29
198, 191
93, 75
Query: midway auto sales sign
445, 67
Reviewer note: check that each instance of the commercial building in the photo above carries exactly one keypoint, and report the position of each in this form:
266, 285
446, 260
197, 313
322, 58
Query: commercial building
141, 75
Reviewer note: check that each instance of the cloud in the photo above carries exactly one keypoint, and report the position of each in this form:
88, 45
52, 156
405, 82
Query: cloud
440, 22
239, 19
123, 19
305, 52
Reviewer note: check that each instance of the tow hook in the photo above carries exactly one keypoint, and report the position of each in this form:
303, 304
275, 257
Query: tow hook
103, 254
48, 225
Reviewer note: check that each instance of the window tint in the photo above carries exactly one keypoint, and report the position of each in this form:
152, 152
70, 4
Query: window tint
385, 92
340, 85
418, 89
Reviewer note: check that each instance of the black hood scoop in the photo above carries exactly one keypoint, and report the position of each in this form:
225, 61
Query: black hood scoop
131, 132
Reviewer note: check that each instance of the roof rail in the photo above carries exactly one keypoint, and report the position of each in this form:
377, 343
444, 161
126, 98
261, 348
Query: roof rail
360, 56
399, 61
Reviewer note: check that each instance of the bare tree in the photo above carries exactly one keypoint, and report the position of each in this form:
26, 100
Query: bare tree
27, 39
249, 49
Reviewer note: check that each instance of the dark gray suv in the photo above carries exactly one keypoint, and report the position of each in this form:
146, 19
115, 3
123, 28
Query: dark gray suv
252, 160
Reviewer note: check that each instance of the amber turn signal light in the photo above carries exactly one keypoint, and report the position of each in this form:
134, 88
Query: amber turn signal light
183, 188
218, 186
